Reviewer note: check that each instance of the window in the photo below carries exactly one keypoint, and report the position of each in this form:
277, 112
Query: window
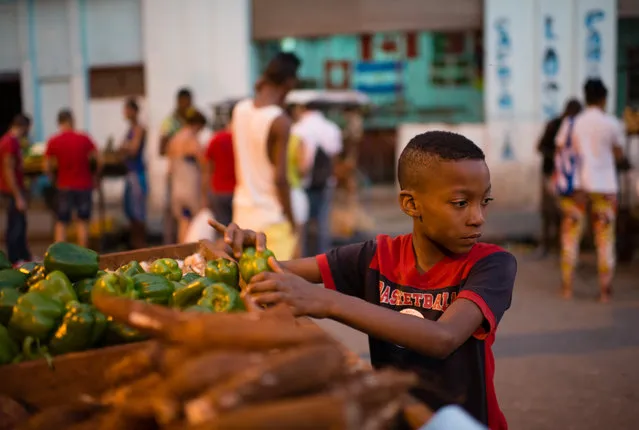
453, 63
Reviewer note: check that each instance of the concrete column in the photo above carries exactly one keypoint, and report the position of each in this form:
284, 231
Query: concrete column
201, 44
53, 62
79, 69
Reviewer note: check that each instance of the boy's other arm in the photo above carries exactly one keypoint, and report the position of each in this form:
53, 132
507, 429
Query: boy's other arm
432, 338
477, 310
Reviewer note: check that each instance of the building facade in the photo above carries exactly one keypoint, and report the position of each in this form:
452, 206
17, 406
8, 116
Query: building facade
504, 66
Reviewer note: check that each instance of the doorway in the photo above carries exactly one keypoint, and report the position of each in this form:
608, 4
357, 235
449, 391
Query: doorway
10, 99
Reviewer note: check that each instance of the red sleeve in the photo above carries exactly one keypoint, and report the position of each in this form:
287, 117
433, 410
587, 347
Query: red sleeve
210, 150
490, 286
51, 147
344, 269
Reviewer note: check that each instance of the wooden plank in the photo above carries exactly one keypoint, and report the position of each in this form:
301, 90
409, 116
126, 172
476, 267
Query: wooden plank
37, 386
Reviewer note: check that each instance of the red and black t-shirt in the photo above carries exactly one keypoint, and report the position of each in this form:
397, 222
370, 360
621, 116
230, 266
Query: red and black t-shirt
383, 271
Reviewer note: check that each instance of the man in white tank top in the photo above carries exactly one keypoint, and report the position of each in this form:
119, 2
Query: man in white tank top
261, 128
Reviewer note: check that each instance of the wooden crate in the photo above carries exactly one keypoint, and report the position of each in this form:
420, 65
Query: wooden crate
37, 386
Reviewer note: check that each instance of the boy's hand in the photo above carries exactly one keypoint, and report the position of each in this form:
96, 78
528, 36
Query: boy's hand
237, 238
304, 298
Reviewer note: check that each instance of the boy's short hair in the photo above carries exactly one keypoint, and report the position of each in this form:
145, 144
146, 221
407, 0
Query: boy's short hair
21, 120
438, 145
65, 116
595, 91
282, 68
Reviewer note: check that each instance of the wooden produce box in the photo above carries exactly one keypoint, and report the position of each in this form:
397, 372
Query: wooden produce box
36, 385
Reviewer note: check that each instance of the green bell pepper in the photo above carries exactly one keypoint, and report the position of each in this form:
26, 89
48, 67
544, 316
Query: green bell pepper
57, 286
4, 261
154, 288
74, 261
83, 289
167, 267
115, 284
131, 269
189, 277
82, 327
199, 308
223, 270
36, 314
220, 297
121, 333
8, 348
36, 275
28, 353
13, 278
253, 262
8, 299
190, 294
28, 268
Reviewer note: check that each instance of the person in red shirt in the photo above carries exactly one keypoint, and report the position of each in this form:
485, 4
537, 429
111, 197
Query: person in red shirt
12, 189
73, 154
221, 168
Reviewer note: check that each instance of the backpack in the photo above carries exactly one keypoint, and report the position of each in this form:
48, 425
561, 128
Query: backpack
322, 170
566, 160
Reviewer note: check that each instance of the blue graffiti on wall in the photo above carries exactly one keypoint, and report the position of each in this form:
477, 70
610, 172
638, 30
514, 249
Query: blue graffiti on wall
550, 70
593, 42
505, 100
504, 72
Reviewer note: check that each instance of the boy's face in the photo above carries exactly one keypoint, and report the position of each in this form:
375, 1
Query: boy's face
449, 205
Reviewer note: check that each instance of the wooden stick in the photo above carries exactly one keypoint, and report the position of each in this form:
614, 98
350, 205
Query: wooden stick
286, 373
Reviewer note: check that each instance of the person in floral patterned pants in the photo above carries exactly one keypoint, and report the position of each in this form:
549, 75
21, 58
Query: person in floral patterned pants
598, 139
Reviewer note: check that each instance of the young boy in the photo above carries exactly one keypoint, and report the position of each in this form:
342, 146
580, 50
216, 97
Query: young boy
430, 301
73, 153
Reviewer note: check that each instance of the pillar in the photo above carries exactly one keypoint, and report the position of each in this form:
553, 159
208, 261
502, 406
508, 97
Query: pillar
200, 44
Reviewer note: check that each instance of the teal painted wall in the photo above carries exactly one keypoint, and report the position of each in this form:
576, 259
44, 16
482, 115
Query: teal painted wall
628, 36
422, 101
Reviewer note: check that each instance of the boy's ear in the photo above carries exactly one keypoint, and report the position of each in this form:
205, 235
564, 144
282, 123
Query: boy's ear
407, 203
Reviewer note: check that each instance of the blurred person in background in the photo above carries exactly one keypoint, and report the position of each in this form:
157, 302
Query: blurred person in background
71, 157
299, 199
322, 140
220, 169
550, 213
170, 126
13, 191
189, 187
261, 129
596, 139
135, 188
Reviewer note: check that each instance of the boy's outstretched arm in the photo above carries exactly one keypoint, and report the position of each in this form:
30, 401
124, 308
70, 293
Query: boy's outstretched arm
432, 338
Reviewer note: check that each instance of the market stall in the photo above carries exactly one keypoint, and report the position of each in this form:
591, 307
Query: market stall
112, 167
199, 353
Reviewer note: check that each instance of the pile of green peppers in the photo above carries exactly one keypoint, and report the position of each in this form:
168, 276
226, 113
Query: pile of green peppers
46, 308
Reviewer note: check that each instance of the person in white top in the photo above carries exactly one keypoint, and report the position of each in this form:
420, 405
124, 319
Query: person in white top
322, 140
261, 129
597, 139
